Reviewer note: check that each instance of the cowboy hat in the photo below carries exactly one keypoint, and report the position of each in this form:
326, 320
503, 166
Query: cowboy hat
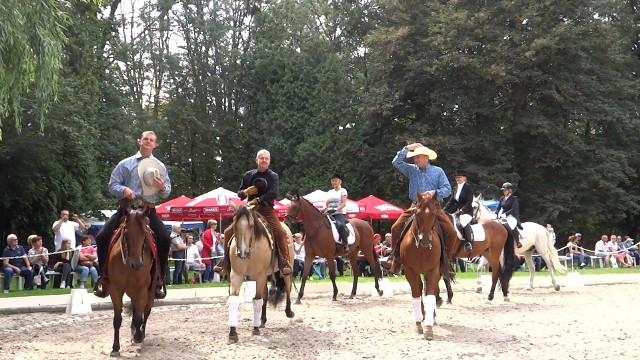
148, 169
423, 150
460, 172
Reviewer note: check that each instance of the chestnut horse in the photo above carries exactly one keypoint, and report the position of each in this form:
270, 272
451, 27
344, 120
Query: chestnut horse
252, 254
495, 242
319, 242
422, 251
131, 266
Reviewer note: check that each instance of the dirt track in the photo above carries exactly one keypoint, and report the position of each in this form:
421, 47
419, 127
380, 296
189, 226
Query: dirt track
542, 324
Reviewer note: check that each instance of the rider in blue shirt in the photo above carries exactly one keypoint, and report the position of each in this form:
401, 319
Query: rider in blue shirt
424, 178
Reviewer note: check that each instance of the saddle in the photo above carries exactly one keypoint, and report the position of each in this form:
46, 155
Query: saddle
151, 242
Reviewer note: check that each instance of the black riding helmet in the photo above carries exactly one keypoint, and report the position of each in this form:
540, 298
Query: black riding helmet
507, 185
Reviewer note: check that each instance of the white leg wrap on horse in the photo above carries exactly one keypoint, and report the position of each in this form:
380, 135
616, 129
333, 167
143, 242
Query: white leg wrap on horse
234, 304
257, 312
429, 308
417, 309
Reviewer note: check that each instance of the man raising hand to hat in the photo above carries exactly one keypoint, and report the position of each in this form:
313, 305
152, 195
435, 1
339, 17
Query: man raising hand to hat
424, 179
138, 176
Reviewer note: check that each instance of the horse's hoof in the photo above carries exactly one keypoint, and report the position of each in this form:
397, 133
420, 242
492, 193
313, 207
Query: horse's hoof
449, 302
233, 339
262, 325
527, 288
479, 289
115, 354
557, 287
256, 330
439, 302
428, 335
380, 293
298, 302
419, 330
506, 299
290, 314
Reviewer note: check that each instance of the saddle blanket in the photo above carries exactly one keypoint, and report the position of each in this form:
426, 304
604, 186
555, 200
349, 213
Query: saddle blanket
352, 235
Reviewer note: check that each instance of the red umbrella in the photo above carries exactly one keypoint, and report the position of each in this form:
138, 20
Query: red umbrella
163, 210
373, 208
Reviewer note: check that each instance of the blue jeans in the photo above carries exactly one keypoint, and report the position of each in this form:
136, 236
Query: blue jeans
84, 272
178, 256
24, 272
208, 275
322, 265
580, 257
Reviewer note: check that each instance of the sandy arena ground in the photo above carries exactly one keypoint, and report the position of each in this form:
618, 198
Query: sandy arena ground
591, 322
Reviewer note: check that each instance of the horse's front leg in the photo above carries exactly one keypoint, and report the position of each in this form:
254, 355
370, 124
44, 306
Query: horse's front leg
429, 301
416, 285
234, 305
528, 258
117, 322
260, 308
139, 306
308, 263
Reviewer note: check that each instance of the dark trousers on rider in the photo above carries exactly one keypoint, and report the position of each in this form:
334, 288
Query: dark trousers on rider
163, 240
341, 222
279, 235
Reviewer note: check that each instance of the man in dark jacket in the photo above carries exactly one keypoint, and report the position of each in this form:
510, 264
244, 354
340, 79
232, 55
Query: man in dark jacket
460, 203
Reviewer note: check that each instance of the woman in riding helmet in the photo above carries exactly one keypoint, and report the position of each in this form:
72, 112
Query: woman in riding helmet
509, 206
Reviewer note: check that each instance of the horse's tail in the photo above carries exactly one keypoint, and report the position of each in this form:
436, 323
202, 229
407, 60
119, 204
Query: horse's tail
509, 260
553, 254
277, 290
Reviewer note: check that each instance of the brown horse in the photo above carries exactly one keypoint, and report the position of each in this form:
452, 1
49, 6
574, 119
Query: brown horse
493, 241
319, 242
422, 254
130, 267
253, 255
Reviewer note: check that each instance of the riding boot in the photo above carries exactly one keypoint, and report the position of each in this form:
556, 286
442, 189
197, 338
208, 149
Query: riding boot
344, 236
516, 237
161, 289
101, 287
223, 267
393, 262
468, 235
283, 256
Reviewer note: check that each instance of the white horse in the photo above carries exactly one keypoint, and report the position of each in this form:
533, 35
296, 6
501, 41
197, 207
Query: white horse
533, 236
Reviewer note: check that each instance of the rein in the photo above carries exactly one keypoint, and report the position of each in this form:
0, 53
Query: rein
124, 245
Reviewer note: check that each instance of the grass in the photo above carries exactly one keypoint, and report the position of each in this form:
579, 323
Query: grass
339, 279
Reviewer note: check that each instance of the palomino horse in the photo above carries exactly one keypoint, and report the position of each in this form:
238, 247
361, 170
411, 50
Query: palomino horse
534, 236
422, 254
319, 242
252, 254
131, 265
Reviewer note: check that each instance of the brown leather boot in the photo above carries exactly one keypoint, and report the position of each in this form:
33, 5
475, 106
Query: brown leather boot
161, 290
101, 288
394, 265
222, 267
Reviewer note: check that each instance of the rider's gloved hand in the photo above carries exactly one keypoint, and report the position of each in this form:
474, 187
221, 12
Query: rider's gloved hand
251, 190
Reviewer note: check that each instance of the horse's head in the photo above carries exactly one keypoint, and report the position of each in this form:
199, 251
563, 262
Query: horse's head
135, 231
293, 212
425, 213
246, 228
480, 210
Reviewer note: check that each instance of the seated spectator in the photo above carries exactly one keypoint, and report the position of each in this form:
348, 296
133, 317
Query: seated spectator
39, 257
16, 262
623, 252
64, 265
299, 255
382, 252
194, 262
387, 240
574, 252
612, 245
602, 251
633, 249
86, 260
319, 267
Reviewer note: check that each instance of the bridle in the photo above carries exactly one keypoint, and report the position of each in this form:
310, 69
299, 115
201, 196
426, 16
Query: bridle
418, 233
125, 236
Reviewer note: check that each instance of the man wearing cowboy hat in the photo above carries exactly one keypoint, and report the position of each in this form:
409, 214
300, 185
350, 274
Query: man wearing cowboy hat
424, 179
138, 176
260, 186
460, 204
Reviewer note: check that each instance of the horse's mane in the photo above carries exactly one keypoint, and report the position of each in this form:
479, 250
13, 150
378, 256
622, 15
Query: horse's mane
243, 211
309, 202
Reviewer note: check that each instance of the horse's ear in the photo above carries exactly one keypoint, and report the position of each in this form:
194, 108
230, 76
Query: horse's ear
289, 196
234, 206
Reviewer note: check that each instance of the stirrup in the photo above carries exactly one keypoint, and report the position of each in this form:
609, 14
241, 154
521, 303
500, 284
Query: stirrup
286, 270
468, 247
220, 270
101, 288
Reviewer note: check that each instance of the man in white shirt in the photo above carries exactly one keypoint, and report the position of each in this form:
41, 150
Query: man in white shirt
65, 229
602, 250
